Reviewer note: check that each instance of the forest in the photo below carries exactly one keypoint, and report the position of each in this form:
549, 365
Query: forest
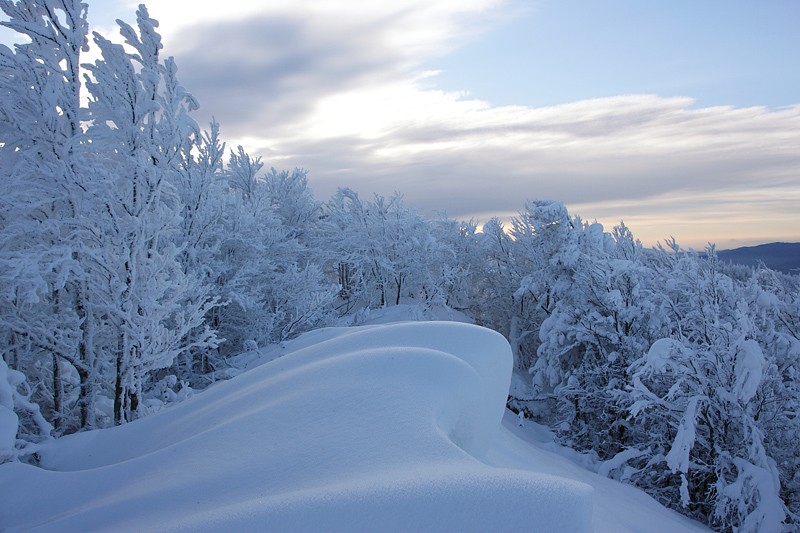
139, 253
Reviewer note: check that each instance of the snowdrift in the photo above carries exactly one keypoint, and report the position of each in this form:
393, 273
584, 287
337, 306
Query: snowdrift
370, 428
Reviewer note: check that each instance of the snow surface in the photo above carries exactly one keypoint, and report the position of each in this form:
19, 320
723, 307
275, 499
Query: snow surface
382, 427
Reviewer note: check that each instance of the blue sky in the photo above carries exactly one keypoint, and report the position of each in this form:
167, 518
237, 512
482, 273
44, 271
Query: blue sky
740, 53
681, 118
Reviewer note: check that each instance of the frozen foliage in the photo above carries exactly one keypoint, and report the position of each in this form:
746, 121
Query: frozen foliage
387, 435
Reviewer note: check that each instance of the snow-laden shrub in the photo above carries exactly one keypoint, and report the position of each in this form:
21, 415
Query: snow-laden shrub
22, 426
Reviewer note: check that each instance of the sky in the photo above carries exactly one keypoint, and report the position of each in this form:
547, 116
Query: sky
680, 118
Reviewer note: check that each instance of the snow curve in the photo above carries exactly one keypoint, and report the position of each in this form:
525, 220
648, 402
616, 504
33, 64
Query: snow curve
376, 427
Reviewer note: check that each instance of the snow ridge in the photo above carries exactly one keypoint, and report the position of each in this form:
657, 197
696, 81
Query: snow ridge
374, 427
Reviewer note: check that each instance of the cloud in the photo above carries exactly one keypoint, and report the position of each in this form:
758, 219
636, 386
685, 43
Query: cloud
262, 66
337, 88
617, 147
268, 73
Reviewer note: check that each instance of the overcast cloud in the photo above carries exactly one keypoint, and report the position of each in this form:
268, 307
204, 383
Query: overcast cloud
341, 93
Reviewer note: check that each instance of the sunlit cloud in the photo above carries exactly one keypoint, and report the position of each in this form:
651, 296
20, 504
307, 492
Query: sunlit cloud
726, 218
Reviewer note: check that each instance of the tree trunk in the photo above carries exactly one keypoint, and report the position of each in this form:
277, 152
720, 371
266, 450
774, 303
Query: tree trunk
87, 356
399, 287
87, 399
513, 340
119, 389
57, 396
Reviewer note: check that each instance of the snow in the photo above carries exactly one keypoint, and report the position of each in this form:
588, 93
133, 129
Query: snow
749, 369
608, 468
9, 422
616, 508
766, 518
767, 299
678, 456
661, 352
382, 427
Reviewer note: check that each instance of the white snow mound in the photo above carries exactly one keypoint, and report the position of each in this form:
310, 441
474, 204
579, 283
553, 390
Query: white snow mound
371, 428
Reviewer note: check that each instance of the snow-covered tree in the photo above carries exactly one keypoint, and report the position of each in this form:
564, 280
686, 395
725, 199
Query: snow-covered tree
605, 320
699, 393
383, 250
454, 266
271, 287
777, 318
494, 279
137, 133
293, 202
542, 256
44, 307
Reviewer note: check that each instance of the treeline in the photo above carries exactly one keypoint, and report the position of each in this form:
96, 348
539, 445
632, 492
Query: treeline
137, 255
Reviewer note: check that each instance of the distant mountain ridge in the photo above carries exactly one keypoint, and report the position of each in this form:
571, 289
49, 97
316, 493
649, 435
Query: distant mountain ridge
781, 256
